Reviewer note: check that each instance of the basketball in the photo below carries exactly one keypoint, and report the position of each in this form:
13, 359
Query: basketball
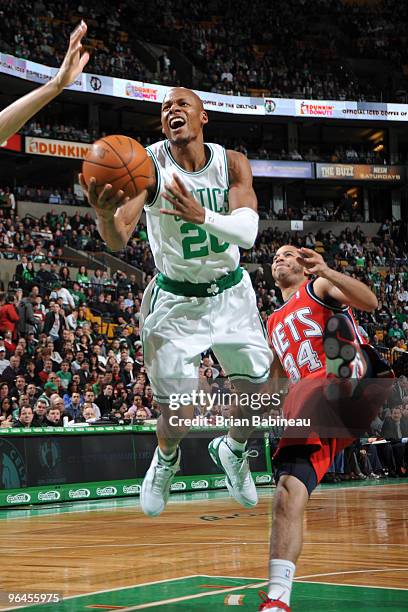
120, 161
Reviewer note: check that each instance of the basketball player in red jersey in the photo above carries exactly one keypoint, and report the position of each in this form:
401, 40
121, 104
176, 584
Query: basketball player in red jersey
315, 336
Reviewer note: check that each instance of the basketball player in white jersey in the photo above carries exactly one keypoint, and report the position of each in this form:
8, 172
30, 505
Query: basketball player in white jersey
13, 117
200, 208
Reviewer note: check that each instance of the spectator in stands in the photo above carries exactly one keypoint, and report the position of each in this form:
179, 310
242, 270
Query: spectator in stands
39, 311
25, 417
97, 281
25, 309
395, 331
391, 431
31, 391
43, 277
40, 414
137, 404
105, 400
6, 409
78, 295
9, 316
4, 363
82, 277
127, 375
19, 386
85, 376
49, 388
64, 294
74, 405
11, 372
31, 373
404, 419
76, 365
89, 398
28, 276
65, 375
21, 267
64, 276
54, 417
88, 414
399, 393
4, 391
54, 323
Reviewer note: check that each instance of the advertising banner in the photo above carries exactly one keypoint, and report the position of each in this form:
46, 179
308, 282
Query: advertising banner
344, 109
13, 66
239, 105
13, 143
46, 466
360, 172
98, 84
146, 92
243, 105
56, 148
38, 73
281, 169
84, 492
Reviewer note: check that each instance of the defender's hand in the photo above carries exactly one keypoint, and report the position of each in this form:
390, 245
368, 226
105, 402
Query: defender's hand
75, 59
107, 203
185, 206
313, 262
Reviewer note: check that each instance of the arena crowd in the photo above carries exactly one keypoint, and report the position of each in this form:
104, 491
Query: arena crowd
70, 340
286, 58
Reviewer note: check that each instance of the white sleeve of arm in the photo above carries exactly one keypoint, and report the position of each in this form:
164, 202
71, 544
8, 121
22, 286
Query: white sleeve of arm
240, 227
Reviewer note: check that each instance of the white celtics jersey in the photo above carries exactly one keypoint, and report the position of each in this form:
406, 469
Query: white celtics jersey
185, 251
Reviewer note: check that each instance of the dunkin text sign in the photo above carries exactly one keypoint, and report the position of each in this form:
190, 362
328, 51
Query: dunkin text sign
56, 148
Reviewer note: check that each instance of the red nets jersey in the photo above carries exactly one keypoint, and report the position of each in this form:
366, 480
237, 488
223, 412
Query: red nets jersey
296, 332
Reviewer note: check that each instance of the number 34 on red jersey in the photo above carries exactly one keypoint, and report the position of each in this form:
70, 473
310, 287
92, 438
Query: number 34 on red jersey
296, 332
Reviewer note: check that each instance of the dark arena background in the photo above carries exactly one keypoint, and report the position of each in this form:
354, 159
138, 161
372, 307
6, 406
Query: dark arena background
315, 96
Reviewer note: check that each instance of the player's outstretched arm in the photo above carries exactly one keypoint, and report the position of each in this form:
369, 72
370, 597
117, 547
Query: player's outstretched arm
17, 114
240, 227
117, 215
335, 285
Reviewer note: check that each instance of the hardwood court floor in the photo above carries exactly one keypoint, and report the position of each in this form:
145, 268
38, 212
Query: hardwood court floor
355, 536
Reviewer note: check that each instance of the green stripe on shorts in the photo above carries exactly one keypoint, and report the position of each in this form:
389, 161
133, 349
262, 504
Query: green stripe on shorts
154, 299
249, 375
263, 327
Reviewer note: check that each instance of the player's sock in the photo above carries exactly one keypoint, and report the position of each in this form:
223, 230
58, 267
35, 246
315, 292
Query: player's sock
281, 574
236, 447
167, 459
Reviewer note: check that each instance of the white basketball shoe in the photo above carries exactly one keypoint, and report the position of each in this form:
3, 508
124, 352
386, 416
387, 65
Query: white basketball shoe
156, 484
239, 481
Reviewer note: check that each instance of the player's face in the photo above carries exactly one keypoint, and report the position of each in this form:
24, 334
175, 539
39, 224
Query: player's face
182, 116
285, 269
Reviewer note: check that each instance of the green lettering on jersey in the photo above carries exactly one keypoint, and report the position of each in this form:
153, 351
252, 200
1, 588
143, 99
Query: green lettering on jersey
209, 200
200, 195
214, 198
226, 202
195, 243
196, 236
217, 246
215, 206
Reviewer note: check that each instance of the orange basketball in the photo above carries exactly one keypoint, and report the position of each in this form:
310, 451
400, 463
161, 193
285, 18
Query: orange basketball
120, 161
